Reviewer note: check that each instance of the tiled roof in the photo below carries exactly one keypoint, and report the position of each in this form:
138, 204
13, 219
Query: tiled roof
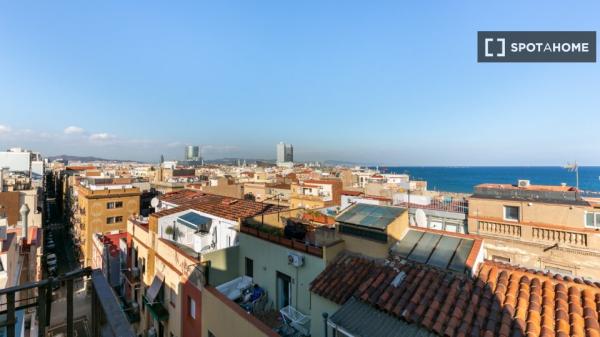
224, 207
352, 193
501, 301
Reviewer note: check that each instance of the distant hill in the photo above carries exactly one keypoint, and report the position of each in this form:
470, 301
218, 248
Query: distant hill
84, 159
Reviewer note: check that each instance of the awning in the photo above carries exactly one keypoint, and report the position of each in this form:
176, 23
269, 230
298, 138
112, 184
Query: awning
157, 310
359, 319
152, 292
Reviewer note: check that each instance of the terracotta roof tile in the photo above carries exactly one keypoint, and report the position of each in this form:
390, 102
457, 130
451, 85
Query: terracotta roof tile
221, 206
500, 300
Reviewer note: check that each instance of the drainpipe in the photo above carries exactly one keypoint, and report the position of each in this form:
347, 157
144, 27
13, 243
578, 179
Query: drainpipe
325, 316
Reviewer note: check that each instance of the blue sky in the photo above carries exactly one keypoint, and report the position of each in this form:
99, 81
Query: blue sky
379, 82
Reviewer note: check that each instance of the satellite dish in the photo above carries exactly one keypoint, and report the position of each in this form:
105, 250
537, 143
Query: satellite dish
154, 202
421, 218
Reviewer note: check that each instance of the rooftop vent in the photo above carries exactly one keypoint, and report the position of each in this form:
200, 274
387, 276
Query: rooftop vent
398, 279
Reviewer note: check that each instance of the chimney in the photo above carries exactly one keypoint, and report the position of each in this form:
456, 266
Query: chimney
24, 213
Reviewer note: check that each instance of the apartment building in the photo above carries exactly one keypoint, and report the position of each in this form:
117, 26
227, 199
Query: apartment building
268, 278
551, 228
102, 205
299, 275
169, 252
316, 193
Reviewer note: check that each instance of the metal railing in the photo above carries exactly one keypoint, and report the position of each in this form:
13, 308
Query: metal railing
106, 312
458, 206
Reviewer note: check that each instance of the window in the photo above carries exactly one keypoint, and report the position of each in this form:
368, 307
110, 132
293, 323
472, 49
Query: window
511, 213
191, 307
114, 219
114, 204
592, 220
249, 267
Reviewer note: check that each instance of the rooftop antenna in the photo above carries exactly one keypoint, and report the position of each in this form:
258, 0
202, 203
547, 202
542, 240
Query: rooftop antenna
574, 168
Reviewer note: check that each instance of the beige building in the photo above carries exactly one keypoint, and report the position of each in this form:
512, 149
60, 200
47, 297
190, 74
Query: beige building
103, 205
536, 226
316, 193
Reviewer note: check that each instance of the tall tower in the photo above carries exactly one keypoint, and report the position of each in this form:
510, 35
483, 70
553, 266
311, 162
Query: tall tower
280, 152
192, 152
289, 153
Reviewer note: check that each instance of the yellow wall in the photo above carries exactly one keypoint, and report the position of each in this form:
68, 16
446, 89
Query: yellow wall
95, 213
551, 214
395, 231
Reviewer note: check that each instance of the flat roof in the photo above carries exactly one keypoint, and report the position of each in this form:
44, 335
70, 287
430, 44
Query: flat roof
372, 216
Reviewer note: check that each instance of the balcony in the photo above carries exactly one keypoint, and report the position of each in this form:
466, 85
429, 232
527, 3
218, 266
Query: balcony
454, 206
90, 308
579, 240
499, 229
276, 236
255, 300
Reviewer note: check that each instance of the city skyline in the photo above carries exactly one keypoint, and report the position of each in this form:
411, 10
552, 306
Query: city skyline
387, 84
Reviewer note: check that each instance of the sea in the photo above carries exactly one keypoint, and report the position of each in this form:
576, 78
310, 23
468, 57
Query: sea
463, 179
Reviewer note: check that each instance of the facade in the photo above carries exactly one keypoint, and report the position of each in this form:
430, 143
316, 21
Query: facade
22, 160
170, 250
549, 228
316, 193
281, 268
102, 208
285, 153
192, 152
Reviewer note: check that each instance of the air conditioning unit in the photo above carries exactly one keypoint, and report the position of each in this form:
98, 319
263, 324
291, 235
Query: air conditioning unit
295, 259
523, 183
135, 271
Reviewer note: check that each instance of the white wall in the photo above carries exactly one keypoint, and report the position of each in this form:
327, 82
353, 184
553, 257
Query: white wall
16, 161
221, 229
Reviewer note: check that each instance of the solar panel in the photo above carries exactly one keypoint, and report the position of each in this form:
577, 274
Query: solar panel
408, 242
424, 248
459, 261
373, 216
444, 252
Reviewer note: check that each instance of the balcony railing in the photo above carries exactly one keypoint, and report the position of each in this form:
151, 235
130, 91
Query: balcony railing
276, 237
447, 206
559, 236
105, 312
496, 228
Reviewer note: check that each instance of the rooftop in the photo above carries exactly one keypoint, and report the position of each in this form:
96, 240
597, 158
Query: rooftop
438, 250
223, 207
372, 216
537, 193
501, 300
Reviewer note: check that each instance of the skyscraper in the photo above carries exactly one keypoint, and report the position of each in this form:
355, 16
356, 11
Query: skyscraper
285, 153
192, 153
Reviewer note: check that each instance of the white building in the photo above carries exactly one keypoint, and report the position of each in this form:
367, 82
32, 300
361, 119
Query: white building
199, 231
22, 160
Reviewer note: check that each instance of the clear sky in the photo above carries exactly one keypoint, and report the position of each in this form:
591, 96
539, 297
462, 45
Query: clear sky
393, 83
